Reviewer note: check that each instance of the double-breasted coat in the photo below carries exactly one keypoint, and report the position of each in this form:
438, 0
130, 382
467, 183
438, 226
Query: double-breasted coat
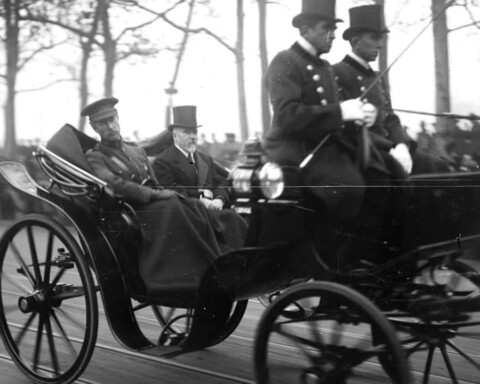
353, 80
179, 241
304, 97
174, 171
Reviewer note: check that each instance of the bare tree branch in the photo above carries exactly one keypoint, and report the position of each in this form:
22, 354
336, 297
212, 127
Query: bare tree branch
46, 85
31, 56
187, 30
136, 27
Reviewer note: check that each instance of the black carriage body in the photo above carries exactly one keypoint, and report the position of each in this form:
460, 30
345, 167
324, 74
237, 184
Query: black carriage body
110, 238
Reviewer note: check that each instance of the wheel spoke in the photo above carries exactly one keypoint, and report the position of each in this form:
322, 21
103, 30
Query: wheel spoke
15, 283
67, 341
51, 345
56, 279
463, 354
428, 365
414, 349
48, 259
67, 316
19, 337
20, 260
38, 343
448, 364
33, 253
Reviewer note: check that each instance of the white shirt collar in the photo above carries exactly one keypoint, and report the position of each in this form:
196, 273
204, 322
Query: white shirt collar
185, 153
307, 46
360, 60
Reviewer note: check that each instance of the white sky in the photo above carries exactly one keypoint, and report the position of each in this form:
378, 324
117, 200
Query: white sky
208, 74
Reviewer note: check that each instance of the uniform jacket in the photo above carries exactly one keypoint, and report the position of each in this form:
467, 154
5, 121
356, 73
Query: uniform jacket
304, 98
125, 168
173, 171
353, 79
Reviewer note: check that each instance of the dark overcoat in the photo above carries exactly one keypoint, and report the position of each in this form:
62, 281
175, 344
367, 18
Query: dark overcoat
304, 97
179, 242
173, 171
353, 79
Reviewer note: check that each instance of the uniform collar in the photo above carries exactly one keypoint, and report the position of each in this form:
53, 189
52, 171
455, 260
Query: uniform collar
115, 144
307, 46
360, 60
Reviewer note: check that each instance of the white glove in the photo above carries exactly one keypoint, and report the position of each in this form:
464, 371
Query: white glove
402, 155
206, 202
371, 113
206, 193
217, 204
352, 110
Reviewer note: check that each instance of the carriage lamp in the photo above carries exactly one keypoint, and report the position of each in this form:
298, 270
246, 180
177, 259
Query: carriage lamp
271, 179
242, 179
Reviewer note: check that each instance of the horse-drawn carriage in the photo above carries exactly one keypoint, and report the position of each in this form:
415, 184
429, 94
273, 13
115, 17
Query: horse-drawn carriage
315, 331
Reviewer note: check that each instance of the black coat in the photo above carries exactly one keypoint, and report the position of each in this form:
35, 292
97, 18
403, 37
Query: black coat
304, 97
173, 171
179, 240
353, 79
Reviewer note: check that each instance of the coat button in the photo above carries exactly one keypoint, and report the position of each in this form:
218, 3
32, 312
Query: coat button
310, 67
324, 102
359, 78
362, 89
316, 77
320, 90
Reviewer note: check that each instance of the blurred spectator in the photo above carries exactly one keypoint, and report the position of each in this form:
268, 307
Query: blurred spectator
229, 151
203, 145
215, 148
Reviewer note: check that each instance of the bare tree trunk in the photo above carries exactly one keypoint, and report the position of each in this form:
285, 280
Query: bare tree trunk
87, 48
12, 31
383, 59
109, 49
442, 76
266, 117
240, 61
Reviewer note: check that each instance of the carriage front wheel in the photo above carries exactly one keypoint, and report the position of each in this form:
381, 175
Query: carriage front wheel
328, 341
48, 313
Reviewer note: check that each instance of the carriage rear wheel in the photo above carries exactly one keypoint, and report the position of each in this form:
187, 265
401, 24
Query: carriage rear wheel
447, 336
177, 322
48, 304
328, 342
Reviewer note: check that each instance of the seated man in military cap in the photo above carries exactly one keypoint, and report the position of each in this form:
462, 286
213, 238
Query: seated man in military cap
179, 241
188, 171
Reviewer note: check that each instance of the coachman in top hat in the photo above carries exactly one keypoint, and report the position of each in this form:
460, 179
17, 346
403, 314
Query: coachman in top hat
304, 97
366, 34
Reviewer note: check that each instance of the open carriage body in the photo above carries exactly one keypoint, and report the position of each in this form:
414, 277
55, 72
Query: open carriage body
53, 269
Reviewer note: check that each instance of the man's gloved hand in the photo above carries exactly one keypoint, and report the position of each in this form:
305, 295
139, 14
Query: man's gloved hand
206, 193
352, 110
206, 202
217, 204
371, 113
402, 155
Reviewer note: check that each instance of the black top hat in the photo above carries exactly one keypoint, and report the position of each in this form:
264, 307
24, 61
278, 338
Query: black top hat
316, 9
100, 109
366, 18
184, 116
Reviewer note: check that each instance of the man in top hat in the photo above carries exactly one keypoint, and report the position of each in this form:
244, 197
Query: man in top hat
183, 168
179, 239
366, 35
306, 109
